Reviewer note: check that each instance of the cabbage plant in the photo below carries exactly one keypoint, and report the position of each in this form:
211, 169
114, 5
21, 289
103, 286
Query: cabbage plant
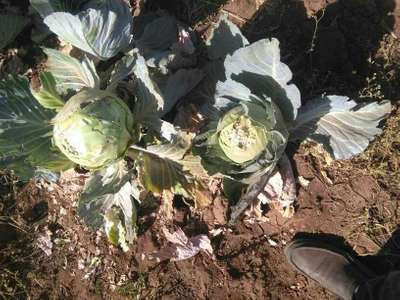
254, 110
110, 123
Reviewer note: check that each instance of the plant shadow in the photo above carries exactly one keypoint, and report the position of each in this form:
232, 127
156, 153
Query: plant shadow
327, 46
190, 12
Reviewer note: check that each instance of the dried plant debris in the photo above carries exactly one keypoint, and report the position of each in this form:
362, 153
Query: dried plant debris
181, 247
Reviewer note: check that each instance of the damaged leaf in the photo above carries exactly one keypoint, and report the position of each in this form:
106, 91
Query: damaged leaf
181, 247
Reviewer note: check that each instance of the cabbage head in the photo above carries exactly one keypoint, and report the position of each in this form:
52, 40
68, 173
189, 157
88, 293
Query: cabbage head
94, 128
245, 135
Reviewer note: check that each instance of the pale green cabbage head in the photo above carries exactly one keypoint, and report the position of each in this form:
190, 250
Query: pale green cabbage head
94, 128
245, 137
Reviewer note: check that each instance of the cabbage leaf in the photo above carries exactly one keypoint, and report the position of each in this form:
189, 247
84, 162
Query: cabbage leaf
47, 7
10, 27
48, 96
26, 131
258, 67
224, 39
341, 125
153, 102
170, 166
70, 73
101, 31
104, 189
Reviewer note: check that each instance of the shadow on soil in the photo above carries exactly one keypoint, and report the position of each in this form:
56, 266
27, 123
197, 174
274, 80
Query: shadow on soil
190, 12
327, 46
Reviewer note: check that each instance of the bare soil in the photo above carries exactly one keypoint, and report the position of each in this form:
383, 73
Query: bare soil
344, 47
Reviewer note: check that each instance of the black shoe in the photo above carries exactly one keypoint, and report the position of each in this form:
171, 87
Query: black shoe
334, 269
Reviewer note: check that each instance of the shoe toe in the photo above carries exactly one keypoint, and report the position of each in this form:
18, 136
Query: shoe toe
334, 269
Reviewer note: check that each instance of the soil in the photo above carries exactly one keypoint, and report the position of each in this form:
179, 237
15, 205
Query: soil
344, 47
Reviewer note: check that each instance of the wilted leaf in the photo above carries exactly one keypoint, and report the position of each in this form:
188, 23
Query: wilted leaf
45, 243
107, 188
249, 197
115, 229
159, 166
181, 247
271, 194
167, 167
342, 126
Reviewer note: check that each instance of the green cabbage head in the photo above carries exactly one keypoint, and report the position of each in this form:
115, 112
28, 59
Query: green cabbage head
245, 135
94, 128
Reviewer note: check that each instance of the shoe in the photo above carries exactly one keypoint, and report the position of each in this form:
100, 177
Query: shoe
334, 269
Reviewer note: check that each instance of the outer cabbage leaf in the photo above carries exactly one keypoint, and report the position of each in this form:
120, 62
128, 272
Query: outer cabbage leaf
153, 102
26, 131
122, 69
48, 96
224, 39
67, 5
102, 31
141, 21
69, 27
342, 126
104, 189
168, 167
108, 30
115, 229
46, 7
70, 73
170, 60
165, 44
10, 27
149, 101
43, 7
204, 93
158, 35
258, 67
178, 85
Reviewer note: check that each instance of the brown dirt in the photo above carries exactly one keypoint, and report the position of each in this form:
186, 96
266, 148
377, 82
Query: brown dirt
352, 203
